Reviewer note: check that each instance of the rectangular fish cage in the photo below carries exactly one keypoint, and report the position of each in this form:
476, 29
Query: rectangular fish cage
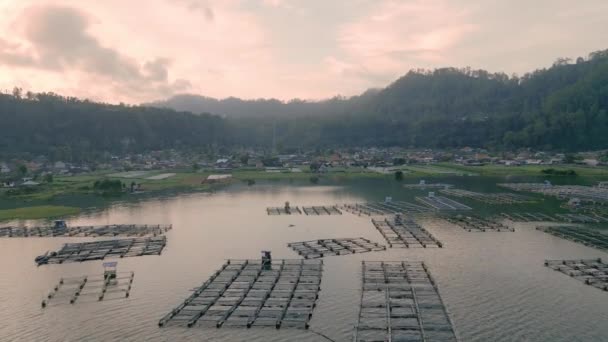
322, 210
585, 236
400, 302
442, 203
489, 198
385, 208
478, 224
62, 230
402, 232
529, 217
253, 293
98, 250
283, 211
589, 271
91, 288
330, 247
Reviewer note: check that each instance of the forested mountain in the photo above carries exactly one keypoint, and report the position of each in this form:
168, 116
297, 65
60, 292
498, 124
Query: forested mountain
564, 107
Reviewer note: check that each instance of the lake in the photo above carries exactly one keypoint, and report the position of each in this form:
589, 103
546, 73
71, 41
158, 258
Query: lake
494, 284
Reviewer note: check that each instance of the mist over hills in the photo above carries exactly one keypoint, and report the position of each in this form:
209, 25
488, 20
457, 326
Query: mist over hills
564, 107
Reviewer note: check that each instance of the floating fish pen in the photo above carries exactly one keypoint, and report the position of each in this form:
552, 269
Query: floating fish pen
98, 250
585, 236
322, 210
283, 211
581, 218
385, 208
405, 233
477, 224
329, 247
593, 194
591, 271
489, 198
62, 230
246, 293
400, 302
109, 285
442, 203
424, 185
528, 217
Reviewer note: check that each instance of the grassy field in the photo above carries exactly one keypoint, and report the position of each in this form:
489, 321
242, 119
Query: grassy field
37, 212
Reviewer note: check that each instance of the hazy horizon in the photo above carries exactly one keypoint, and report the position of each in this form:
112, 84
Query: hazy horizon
140, 52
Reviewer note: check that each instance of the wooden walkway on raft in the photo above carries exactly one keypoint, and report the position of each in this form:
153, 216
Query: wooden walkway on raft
489, 198
246, 293
478, 224
400, 302
98, 250
590, 271
127, 230
442, 203
283, 211
385, 208
585, 236
329, 247
90, 288
405, 233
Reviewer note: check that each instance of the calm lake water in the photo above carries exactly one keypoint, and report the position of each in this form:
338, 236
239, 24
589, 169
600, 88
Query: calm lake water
494, 284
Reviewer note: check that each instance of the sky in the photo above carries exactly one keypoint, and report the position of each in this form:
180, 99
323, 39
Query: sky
143, 50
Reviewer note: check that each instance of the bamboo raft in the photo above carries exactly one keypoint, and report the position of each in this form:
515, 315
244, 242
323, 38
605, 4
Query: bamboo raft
400, 302
385, 208
477, 224
90, 288
489, 198
442, 203
405, 233
590, 271
423, 185
98, 250
583, 236
246, 293
329, 247
126, 230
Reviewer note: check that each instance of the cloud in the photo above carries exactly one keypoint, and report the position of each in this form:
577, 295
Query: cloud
197, 5
398, 35
56, 39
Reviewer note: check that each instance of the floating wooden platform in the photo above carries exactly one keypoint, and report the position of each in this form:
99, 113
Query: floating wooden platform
442, 203
584, 236
477, 224
98, 250
246, 293
590, 271
405, 233
385, 208
90, 288
127, 230
400, 302
329, 247
489, 198
283, 211
322, 210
